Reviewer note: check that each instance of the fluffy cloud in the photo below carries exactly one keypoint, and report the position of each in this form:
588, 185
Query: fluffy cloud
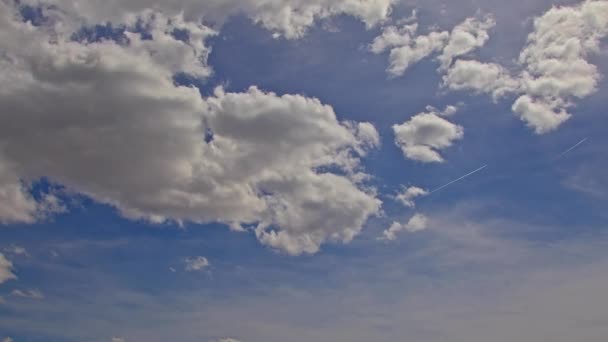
424, 134
480, 77
407, 196
289, 18
416, 223
407, 48
198, 263
28, 294
554, 66
118, 339
6, 269
107, 120
466, 37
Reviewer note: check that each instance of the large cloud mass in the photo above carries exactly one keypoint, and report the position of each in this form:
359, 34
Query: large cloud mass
289, 18
105, 118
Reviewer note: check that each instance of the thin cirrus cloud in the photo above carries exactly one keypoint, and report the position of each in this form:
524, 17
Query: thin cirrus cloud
28, 294
103, 91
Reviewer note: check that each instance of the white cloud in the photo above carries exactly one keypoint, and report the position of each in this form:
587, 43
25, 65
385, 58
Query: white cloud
466, 37
554, 64
407, 48
29, 294
289, 18
117, 339
16, 204
416, 223
407, 196
106, 120
228, 340
480, 77
198, 263
6, 269
538, 114
424, 134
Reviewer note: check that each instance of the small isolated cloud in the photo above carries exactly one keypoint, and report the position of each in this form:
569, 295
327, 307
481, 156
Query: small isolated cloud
29, 294
195, 264
424, 135
407, 196
117, 339
228, 340
416, 223
6, 269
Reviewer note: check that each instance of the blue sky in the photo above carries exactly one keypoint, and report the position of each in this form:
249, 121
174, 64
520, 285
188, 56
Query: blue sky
149, 193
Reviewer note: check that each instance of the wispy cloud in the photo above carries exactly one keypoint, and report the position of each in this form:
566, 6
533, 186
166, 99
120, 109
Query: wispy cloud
194, 264
28, 294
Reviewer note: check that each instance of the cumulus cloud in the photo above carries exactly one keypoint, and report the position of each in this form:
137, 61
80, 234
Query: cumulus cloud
407, 196
6, 269
288, 18
480, 77
424, 135
105, 119
28, 294
554, 66
466, 37
416, 223
198, 263
117, 339
407, 47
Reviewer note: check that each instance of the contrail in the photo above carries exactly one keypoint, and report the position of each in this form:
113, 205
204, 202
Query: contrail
459, 179
572, 148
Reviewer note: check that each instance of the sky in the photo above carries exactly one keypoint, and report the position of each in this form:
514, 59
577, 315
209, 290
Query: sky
286, 170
